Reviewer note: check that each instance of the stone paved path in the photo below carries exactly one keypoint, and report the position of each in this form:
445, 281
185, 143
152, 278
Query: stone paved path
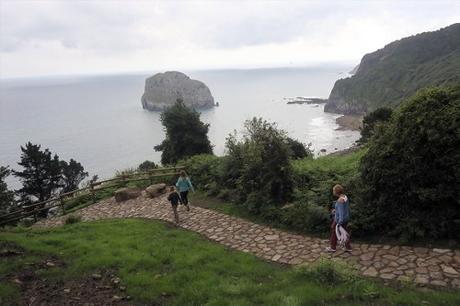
439, 267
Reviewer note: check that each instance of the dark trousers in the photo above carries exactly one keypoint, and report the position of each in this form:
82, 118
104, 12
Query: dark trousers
334, 236
184, 197
176, 214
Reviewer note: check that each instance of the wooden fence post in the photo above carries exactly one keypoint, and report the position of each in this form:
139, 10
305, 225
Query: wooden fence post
61, 200
93, 195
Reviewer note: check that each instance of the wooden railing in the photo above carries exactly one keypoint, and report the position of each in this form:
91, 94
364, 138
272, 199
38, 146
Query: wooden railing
60, 200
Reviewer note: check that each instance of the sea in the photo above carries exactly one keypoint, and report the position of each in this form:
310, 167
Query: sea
99, 121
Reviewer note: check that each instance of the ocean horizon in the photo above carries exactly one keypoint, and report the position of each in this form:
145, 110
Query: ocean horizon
99, 121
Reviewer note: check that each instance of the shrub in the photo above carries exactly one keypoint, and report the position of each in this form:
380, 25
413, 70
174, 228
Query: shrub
298, 149
259, 165
71, 219
410, 173
205, 171
306, 217
379, 116
147, 165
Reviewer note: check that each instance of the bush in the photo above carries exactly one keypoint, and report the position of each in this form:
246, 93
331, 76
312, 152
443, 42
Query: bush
71, 219
298, 149
410, 174
205, 171
372, 120
306, 217
259, 165
146, 166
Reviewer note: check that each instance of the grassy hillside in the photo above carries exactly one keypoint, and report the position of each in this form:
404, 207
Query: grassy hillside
389, 75
154, 263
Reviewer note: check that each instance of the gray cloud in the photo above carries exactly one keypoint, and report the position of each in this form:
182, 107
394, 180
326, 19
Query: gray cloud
135, 34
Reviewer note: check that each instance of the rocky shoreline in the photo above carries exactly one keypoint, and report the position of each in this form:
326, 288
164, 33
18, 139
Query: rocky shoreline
305, 100
350, 122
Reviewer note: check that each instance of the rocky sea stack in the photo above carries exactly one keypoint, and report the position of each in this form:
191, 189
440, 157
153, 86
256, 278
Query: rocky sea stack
163, 89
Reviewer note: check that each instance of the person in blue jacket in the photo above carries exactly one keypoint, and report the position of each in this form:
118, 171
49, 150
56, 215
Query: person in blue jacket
341, 217
184, 185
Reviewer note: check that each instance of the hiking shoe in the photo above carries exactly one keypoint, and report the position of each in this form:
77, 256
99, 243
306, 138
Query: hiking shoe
348, 250
329, 250
188, 208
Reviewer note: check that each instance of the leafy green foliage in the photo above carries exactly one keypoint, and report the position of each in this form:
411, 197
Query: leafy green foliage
380, 116
206, 171
41, 176
44, 175
186, 134
147, 165
260, 163
306, 217
73, 174
298, 149
6, 196
388, 76
411, 172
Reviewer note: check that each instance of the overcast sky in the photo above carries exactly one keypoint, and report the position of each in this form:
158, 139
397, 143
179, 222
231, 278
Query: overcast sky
90, 37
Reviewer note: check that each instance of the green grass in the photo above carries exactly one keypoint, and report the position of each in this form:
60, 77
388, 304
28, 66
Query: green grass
335, 163
152, 259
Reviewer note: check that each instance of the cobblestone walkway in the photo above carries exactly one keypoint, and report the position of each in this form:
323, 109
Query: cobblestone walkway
439, 267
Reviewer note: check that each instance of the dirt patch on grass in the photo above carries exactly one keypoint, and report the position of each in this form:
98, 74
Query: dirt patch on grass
8, 249
99, 288
91, 290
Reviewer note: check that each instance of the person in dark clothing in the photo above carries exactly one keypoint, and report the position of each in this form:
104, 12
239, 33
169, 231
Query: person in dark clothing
174, 199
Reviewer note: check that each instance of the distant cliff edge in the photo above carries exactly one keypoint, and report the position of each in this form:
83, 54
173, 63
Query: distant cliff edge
163, 89
389, 75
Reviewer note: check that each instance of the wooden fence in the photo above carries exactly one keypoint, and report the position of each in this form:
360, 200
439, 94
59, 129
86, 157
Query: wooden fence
92, 189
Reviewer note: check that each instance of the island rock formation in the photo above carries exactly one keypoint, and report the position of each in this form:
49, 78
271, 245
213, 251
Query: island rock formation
163, 90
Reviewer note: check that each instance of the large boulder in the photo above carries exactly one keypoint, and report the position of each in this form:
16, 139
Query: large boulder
127, 193
155, 190
163, 90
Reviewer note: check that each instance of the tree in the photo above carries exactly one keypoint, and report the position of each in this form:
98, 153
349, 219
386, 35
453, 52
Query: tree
411, 171
147, 165
73, 174
42, 175
186, 134
6, 195
298, 149
379, 116
259, 165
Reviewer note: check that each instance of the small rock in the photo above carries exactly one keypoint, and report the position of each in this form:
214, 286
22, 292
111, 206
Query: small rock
66, 290
276, 257
371, 271
96, 276
117, 298
116, 280
17, 281
122, 288
271, 237
449, 270
50, 264
387, 276
441, 251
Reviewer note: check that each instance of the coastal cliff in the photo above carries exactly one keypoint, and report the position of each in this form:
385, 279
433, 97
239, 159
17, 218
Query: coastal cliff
389, 75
